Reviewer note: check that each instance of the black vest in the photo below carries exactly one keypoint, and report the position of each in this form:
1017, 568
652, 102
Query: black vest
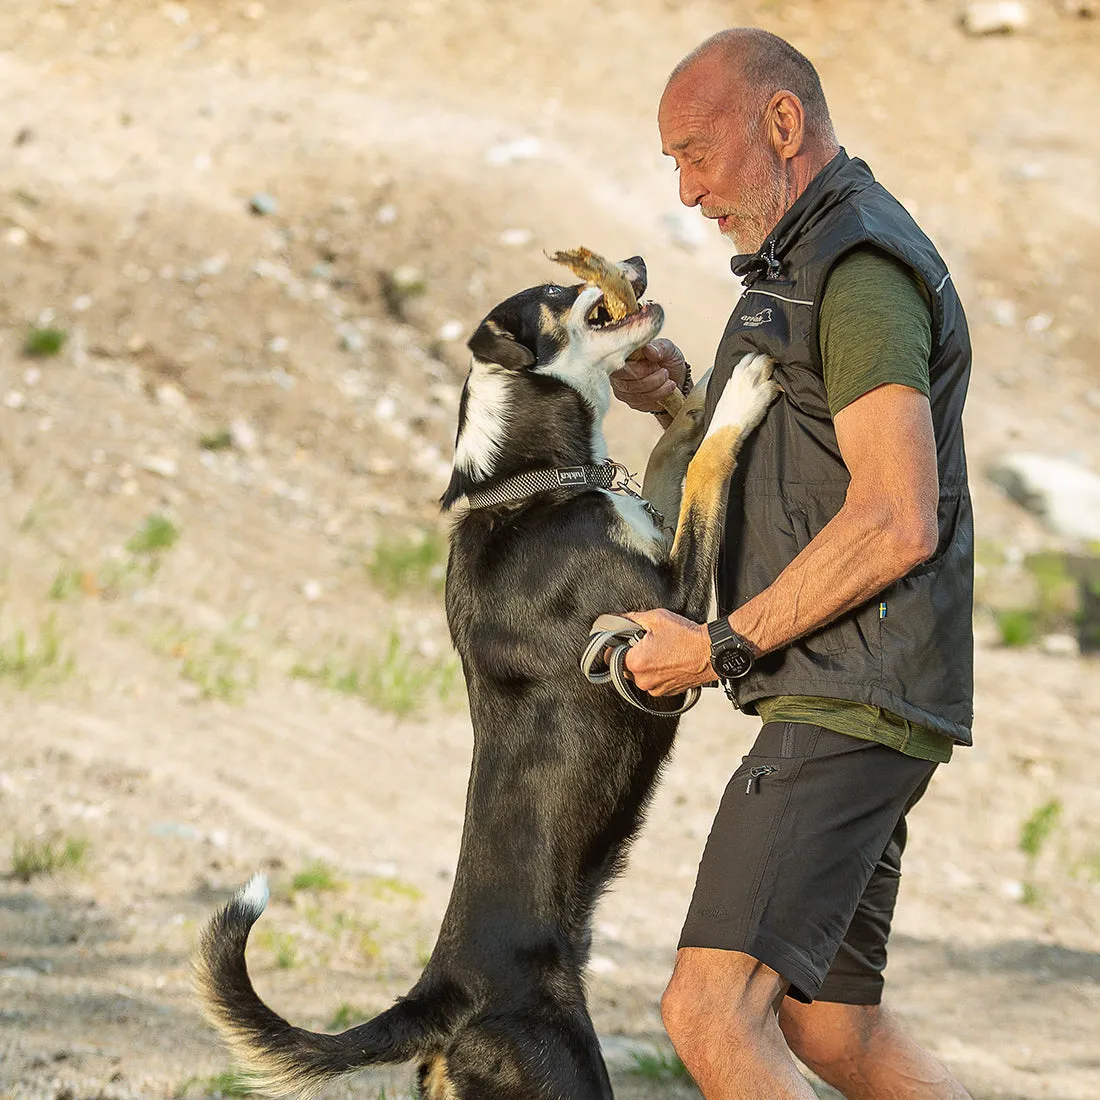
910, 650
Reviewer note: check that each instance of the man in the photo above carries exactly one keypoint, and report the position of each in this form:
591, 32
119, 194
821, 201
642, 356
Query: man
844, 585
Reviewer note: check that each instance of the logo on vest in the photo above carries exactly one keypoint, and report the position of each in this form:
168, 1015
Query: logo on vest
755, 320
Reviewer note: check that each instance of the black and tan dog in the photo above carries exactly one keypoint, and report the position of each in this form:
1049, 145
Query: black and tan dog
562, 770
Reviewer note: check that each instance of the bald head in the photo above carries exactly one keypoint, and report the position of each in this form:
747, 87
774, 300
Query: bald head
749, 66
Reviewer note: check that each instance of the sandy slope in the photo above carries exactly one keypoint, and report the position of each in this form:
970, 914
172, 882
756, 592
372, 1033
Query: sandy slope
134, 135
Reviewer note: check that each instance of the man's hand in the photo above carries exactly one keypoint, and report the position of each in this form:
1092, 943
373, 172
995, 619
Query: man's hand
673, 656
655, 374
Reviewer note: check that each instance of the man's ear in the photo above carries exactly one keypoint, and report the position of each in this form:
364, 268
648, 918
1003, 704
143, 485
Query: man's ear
786, 124
492, 343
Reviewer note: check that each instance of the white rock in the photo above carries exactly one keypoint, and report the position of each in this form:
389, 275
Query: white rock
263, 204
161, 465
20, 973
242, 435
995, 17
82, 304
15, 400
172, 397
1064, 496
175, 13
508, 152
1011, 888
450, 330
386, 215
1038, 324
16, 235
351, 339
278, 345
1031, 170
516, 238
1003, 311
1060, 645
32, 376
214, 265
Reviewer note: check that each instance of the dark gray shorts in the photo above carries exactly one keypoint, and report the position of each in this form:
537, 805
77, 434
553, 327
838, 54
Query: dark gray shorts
802, 864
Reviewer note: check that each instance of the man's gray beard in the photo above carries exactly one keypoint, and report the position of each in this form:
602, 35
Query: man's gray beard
759, 216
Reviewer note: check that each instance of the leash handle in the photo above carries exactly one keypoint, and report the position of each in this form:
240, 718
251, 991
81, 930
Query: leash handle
618, 634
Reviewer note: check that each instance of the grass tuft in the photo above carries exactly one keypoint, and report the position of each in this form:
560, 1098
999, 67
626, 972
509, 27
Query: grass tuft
29, 663
216, 663
1037, 828
396, 679
44, 341
660, 1065
1017, 626
316, 876
220, 439
230, 1082
283, 946
409, 562
346, 1016
66, 582
30, 858
157, 533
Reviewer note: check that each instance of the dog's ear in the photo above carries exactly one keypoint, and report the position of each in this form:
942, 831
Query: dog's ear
493, 343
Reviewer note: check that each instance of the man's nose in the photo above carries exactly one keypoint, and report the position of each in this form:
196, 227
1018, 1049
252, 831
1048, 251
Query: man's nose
690, 191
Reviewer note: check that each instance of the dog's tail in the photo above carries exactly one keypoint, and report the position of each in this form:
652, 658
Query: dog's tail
286, 1060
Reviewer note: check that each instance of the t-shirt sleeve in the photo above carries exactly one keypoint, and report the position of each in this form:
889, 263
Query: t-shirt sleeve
875, 327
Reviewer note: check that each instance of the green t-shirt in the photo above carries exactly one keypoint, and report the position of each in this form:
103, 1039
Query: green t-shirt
875, 328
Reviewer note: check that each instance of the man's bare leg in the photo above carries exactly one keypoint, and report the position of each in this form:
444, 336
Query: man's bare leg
719, 1011
863, 1052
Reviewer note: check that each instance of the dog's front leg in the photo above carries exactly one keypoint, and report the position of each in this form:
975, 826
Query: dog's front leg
663, 484
742, 406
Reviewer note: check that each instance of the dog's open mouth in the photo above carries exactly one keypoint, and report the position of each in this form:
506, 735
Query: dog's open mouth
599, 316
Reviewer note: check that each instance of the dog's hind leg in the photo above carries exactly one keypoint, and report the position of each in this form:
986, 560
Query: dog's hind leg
741, 407
663, 484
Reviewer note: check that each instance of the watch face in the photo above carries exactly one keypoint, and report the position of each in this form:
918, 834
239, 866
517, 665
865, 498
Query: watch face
733, 663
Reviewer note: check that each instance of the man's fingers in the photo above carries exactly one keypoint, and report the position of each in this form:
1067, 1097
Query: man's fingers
647, 385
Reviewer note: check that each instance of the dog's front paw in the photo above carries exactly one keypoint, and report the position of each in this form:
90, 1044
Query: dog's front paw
747, 395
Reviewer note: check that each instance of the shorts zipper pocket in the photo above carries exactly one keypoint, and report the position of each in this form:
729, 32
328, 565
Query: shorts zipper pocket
755, 775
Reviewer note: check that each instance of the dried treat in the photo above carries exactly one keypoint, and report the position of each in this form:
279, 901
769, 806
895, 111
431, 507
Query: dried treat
618, 294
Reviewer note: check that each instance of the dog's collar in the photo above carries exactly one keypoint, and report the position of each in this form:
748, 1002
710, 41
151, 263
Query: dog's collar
607, 475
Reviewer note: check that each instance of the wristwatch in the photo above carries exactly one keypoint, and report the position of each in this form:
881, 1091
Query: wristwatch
731, 656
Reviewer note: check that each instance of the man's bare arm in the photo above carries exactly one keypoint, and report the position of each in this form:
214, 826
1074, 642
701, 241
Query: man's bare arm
886, 526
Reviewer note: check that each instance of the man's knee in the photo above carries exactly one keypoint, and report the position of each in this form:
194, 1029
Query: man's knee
717, 992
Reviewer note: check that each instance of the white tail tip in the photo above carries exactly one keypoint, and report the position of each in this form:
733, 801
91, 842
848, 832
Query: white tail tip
254, 895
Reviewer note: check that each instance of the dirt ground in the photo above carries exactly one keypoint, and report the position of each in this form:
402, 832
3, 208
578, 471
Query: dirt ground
261, 379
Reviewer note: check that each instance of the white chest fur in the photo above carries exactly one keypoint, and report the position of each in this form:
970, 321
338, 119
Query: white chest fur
637, 530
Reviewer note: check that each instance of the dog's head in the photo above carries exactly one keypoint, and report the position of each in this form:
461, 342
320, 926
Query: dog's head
539, 384
566, 331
